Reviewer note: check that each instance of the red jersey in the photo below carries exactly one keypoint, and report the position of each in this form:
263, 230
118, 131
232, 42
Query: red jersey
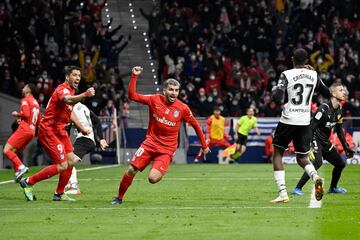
57, 113
165, 120
29, 113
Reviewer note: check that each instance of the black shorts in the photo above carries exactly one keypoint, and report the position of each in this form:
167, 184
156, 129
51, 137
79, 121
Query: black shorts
328, 152
82, 146
300, 135
242, 139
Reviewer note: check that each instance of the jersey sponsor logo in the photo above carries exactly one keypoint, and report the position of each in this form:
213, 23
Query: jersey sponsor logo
164, 121
66, 91
330, 124
176, 113
24, 103
167, 111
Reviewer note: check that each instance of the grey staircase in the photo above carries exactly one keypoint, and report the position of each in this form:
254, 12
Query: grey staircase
136, 53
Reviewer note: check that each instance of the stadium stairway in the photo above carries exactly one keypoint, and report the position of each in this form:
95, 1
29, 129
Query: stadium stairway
136, 53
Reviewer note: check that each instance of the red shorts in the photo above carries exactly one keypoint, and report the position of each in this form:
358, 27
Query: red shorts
21, 137
56, 145
219, 143
144, 155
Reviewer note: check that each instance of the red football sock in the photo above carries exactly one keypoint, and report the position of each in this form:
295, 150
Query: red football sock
63, 180
45, 173
125, 184
14, 159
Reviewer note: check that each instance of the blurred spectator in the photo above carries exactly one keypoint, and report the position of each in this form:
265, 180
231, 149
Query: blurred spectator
336, 141
249, 43
269, 148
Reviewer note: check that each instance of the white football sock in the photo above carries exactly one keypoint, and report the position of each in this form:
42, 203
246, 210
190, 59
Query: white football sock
73, 178
311, 171
280, 181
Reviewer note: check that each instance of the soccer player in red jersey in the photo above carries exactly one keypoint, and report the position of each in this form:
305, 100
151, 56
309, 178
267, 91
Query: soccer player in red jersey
54, 138
166, 114
29, 117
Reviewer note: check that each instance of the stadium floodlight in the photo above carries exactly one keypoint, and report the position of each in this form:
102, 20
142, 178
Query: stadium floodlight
144, 33
131, 10
109, 27
153, 70
155, 82
109, 21
135, 27
147, 45
132, 15
133, 21
157, 89
106, 4
145, 39
154, 76
106, 9
127, 153
108, 15
148, 51
81, 4
151, 63
130, 4
128, 159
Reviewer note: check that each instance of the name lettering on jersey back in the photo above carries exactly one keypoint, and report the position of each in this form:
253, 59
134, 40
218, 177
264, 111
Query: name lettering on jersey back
299, 110
302, 76
164, 121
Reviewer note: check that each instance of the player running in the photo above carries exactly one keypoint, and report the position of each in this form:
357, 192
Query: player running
54, 138
298, 84
85, 143
29, 117
215, 132
166, 114
328, 116
242, 128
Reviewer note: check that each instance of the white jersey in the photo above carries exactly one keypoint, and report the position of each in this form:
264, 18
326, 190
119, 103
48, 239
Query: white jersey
83, 114
299, 85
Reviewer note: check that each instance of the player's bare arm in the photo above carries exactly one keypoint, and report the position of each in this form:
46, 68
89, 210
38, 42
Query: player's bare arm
78, 124
72, 100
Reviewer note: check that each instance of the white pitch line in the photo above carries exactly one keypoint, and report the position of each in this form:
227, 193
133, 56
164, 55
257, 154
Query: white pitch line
154, 208
79, 170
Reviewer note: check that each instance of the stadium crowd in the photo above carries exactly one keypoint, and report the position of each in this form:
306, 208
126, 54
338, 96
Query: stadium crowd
225, 52
230, 52
39, 38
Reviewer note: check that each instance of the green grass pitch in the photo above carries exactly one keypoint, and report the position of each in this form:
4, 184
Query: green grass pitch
191, 202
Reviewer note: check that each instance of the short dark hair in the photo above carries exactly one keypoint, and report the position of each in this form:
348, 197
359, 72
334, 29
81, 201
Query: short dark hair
32, 87
69, 69
300, 56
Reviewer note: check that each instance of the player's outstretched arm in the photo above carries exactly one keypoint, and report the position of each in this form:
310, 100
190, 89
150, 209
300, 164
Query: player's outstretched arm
322, 88
132, 94
72, 100
188, 117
